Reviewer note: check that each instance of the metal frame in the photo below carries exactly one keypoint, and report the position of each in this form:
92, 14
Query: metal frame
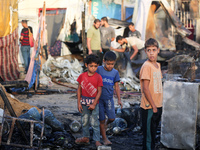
15, 120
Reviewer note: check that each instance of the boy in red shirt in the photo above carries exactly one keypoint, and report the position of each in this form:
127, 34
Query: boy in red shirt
88, 93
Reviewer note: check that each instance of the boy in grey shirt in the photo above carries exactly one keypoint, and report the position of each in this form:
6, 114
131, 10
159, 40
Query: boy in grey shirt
133, 32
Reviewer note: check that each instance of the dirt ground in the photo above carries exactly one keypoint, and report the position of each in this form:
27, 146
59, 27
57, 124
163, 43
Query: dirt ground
64, 107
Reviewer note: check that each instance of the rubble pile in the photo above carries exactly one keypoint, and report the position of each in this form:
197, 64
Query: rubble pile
127, 118
183, 68
55, 135
62, 69
126, 129
179, 65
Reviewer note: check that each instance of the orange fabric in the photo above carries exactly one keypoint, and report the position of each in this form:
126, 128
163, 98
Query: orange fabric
150, 72
5, 16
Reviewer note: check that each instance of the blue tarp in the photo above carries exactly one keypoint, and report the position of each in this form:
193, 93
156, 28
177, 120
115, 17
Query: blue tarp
112, 10
129, 12
100, 10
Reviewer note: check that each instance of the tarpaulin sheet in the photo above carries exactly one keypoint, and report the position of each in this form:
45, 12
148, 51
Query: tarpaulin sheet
180, 114
101, 8
34, 66
112, 10
54, 25
8, 24
9, 68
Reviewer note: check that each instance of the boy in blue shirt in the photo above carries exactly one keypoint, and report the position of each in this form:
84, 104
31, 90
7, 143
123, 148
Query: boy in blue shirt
110, 78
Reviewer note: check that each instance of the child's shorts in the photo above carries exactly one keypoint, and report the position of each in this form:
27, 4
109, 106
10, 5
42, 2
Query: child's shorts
106, 107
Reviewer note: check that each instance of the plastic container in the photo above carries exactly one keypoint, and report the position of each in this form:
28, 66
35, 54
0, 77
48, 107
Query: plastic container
75, 126
104, 147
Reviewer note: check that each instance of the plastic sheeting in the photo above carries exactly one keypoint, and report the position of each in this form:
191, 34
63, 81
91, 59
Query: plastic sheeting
142, 15
62, 69
64, 48
74, 11
34, 66
181, 112
127, 76
45, 80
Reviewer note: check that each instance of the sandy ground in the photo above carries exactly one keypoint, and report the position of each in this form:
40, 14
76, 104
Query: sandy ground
59, 104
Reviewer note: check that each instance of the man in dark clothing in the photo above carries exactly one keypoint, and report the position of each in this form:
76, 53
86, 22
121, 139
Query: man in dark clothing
25, 45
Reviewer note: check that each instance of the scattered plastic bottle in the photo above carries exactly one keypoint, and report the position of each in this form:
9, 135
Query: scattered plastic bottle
75, 126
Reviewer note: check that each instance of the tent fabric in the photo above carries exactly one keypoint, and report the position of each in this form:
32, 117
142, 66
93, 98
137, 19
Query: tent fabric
54, 26
142, 15
34, 67
8, 16
28, 9
9, 68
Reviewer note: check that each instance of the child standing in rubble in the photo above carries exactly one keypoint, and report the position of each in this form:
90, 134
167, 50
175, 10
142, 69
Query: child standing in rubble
110, 78
88, 93
152, 94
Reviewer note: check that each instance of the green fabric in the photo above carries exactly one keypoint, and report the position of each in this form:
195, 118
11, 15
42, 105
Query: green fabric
148, 140
94, 34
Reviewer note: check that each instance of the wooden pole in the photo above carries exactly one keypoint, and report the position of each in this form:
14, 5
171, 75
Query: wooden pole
90, 7
83, 34
122, 11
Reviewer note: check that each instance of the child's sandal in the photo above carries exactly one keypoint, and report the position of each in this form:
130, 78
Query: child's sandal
82, 141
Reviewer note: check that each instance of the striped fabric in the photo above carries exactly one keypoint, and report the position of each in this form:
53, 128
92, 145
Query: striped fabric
25, 41
9, 68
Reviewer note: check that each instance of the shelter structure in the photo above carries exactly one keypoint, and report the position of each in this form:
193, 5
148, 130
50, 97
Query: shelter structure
60, 15
9, 69
166, 19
